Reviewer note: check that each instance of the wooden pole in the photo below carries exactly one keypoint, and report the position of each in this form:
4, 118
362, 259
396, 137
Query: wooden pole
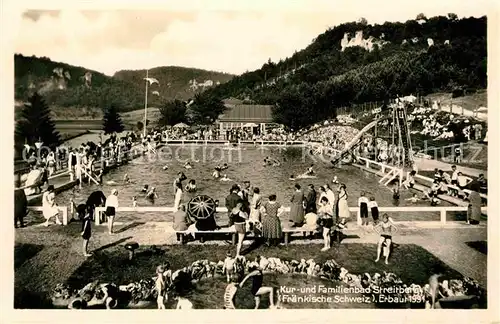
146, 105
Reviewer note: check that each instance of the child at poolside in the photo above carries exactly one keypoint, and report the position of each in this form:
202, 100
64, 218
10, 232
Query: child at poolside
372, 204
86, 231
363, 208
228, 267
160, 287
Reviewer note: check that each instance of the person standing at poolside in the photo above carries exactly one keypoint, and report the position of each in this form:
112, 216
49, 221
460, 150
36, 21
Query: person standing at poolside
49, 206
178, 196
326, 215
474, 208
331, 196
310, 199
86, 229
257, 288
111, 206
255, 206
239, 218
271, 224
363, 208
180, 177
244, 193
20, 207
385, 228
231, 200
297, 207
342, 206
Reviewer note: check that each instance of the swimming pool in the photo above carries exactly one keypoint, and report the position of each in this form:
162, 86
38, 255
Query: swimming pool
245, 163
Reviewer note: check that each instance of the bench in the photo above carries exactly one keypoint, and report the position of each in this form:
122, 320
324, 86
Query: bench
287, 232
181, 235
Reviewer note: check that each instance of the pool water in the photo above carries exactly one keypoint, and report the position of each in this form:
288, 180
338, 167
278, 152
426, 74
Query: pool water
244, 164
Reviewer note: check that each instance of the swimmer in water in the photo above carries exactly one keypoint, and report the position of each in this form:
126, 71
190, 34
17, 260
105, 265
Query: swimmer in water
134, 201
224, 166
145, 188
188, 165
165, 167
413, 199
111, 183
225, 178
151, 195
126, 178
310, 170
191, 186
335, 180
216, 173
292, 177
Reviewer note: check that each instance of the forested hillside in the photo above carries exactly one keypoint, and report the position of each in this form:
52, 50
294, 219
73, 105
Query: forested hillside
174, 82
66, 86
357, 62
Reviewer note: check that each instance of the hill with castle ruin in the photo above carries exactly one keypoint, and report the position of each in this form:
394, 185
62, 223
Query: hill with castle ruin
356, 62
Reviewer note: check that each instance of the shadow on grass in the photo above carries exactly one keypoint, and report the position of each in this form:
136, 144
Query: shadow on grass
129, 226
112, 244
480, 246
31, 300
24, 252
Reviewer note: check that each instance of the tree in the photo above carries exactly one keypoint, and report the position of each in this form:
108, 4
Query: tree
173, 112
206, 108
421, 16
363, 21
36, 123
112, 122
452, 16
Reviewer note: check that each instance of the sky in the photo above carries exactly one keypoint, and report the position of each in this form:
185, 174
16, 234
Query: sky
231, 38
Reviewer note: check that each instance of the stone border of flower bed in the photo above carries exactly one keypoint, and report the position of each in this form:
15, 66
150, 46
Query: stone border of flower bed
386, 283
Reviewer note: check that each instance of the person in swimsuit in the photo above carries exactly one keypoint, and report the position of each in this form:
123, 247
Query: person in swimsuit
228, 268
257, 289
326, 213
151, 195
160, 287
239, 218
86, 230
385, 228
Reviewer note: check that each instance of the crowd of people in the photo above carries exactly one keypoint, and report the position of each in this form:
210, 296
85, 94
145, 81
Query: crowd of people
444, 125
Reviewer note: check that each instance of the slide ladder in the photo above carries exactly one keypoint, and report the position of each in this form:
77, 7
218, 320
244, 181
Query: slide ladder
356, 140
90, 177
404, 135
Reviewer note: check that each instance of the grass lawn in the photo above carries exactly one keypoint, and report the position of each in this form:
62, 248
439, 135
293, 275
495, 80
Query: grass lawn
411, 262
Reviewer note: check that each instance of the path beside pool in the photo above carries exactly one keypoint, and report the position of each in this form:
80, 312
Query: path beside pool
61, 252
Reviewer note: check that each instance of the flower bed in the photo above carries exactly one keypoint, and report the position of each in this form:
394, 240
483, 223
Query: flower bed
384, 289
